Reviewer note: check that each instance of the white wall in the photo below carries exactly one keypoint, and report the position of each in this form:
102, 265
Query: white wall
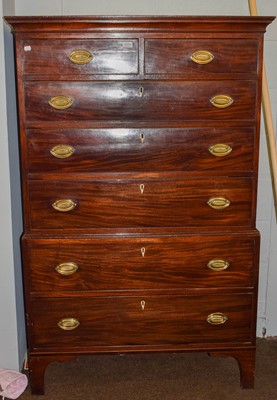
266, 210
12, 326
10, 303
131, 7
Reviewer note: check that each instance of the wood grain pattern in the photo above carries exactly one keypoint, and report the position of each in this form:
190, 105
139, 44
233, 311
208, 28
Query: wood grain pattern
143, 150
175, 100
119, 203
121, 321
141, 264
109, 57
172, 56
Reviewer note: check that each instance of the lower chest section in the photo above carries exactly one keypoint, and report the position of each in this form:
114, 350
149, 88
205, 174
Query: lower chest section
144, 291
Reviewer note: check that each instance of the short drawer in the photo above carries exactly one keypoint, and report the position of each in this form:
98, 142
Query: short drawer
80, 57
120, 264
140, 101
140, 203
141, 320
221, 150
201, 57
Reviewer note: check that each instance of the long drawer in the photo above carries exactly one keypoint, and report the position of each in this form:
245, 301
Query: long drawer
80, 57
140, 203
196, 261
141, 320
140, 101
124, 150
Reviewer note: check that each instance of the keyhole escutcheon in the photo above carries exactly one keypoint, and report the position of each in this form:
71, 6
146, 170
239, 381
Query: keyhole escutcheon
141, 91
141, 187
142, 303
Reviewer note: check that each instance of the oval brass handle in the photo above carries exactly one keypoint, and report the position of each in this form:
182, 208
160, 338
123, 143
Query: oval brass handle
80, 57
220, 150
218, 265
62, 151
68, 324
217, 318
221, 101
64, 205
67, 268
218, 203
202, 57
60, 102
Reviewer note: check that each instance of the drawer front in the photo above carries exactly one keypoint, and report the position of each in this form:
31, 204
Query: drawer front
140, 101
123, 150
205, 56
140, 203
103, 56
56, 265
145, 320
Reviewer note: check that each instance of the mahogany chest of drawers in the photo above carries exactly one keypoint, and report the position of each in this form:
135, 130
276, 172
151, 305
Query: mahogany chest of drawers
139, 154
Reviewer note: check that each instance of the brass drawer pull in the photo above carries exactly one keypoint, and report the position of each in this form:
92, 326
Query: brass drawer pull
220, 150
221, 101
217, 318
62, 151
68, 324
80, 57
202, 57
60, 102
68, 268
218, 203
64, 205
218, 265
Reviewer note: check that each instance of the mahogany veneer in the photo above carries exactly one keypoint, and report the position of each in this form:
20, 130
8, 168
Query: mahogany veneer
139, 155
